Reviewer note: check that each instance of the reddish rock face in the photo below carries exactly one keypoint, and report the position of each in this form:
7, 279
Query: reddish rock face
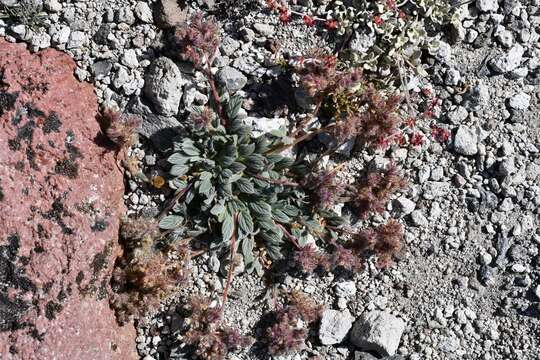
60, 200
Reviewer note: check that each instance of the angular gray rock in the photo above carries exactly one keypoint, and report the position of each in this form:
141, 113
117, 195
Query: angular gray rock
334, 326
403, 206
264, 29
487, 5
418, 219
163, 86
510, 61
520, 101
345, 288
159, 129
171, 13
261, 125
379, 331
466, 141
143, 12
231, 78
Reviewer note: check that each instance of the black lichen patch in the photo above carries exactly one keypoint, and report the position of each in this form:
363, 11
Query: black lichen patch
1, 191
100, 261
31, 157
56, 214
52, 309
24, 133
36, 335
52, 123
48, 286
99, 226
79, 278
7, 101
19, 165
17, 118
12, 276
61, 295
67, 167
10, 312
33, 112
74, 152
96, 286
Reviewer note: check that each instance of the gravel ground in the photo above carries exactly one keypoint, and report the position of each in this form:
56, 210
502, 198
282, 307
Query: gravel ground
467, 284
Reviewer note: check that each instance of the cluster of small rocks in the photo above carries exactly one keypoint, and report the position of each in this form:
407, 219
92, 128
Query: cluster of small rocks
468, 283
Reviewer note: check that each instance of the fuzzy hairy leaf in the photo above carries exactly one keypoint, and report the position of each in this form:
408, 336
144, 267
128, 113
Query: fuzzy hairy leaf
261, 208
171, 222
179, 170
217, 209
245, 186
237, 167
245, 222
190, 149
246, 149
233, 106
255, 162
280, 216
247, 250
178, 159
205, 186
227, 227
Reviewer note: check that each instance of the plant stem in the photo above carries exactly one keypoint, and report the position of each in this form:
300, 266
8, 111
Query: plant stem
214, 92
174, 200
309, 118
231, 265
289, 236
281, 147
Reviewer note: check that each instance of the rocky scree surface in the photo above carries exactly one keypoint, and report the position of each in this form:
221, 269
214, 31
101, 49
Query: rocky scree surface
467, 284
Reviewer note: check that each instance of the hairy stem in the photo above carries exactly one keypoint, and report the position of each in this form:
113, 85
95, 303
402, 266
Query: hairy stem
289, 236
280, 147
215, 94
304, 122
231, 265
174, 200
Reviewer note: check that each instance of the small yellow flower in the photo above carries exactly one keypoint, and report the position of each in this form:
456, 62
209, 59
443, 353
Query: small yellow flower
158, 182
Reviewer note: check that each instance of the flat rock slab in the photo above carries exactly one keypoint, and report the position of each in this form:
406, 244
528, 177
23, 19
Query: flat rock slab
60, 199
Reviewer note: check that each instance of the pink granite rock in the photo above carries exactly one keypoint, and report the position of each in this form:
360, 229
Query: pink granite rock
60, 201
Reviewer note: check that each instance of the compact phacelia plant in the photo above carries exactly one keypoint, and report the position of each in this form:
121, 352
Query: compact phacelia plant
225, 177
249, 193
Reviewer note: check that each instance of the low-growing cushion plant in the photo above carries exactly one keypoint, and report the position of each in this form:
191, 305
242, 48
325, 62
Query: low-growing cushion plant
249, 193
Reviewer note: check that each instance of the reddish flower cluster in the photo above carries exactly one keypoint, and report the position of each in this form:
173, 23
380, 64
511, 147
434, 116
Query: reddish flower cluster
285, 15
384, 241
391, 4
286, 334
440, 134
375, 189
201, 120
199, 41
144, 276
378, 20
380, 121
120, 129
212, 340
326, 189
417, 139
